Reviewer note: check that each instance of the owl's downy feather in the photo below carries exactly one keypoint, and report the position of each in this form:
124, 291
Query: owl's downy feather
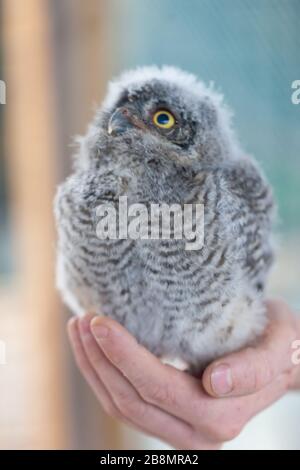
188, 305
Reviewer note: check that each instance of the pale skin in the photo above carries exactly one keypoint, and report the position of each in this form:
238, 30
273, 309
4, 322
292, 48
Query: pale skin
188, 413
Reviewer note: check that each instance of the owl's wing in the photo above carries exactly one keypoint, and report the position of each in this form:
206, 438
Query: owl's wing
251, 217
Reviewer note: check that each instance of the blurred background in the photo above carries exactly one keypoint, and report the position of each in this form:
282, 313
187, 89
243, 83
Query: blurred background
56, 57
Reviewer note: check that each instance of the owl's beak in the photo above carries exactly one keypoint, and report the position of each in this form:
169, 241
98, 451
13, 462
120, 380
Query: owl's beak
122, 120
119, 122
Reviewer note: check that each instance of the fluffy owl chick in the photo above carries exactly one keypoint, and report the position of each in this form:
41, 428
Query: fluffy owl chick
162, 136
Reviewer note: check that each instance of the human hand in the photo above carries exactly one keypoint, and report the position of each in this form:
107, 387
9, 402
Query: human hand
188, 413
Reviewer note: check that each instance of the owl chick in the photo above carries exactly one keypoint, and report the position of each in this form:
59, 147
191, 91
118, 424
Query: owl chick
162, 136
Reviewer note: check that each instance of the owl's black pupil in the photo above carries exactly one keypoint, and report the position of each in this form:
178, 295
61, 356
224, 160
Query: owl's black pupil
163, 118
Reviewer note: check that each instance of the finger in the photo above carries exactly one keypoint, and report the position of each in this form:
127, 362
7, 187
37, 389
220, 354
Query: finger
237, 411
183, 439
175, 391
166, 388
267, 396
87, 370
126, 399
251, 369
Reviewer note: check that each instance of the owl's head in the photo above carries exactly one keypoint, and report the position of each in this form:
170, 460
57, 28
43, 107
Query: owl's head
163, 113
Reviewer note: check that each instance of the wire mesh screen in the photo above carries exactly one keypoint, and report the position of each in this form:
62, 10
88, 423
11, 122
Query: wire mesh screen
250, 49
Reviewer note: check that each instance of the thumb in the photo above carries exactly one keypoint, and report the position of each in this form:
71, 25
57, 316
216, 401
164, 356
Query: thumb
251, 369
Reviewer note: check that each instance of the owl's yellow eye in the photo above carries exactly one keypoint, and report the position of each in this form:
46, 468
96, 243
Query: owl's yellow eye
164, 119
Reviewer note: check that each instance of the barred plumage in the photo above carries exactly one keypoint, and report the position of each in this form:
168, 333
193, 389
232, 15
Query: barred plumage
193, 305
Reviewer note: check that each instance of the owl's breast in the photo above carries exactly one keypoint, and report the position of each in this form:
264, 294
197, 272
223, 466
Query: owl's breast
155, 287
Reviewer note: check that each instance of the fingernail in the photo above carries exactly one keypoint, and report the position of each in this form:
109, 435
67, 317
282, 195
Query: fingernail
85, 323
221, 380
99, 331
